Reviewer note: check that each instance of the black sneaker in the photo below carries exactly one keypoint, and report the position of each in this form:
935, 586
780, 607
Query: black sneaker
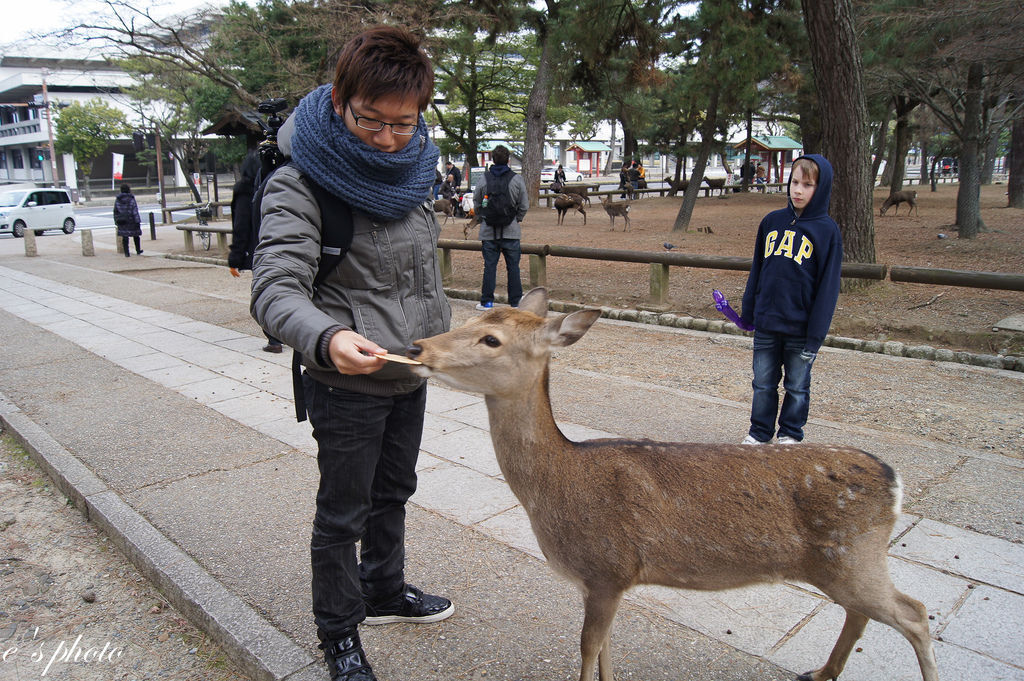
410, 605
345, 658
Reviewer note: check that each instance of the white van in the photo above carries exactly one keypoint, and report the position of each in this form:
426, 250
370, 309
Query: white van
36, 209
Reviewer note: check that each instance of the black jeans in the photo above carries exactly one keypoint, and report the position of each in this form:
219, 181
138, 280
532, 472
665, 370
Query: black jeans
138, 244
492, 250
367, 451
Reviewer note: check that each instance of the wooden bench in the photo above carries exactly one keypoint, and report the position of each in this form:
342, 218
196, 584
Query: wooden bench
189, 230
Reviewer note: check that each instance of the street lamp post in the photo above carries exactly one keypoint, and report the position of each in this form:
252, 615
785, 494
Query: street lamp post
49, 129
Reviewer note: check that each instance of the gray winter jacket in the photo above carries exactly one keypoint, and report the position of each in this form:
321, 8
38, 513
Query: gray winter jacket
388, 288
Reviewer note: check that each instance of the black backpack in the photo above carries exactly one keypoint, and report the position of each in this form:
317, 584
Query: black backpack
500, 211
335, 241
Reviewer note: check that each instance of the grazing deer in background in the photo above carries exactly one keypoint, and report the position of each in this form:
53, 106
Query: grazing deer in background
715, 183
615, 209
610, 514
474, 221
445, 206
565, 202
679, 186
896, 198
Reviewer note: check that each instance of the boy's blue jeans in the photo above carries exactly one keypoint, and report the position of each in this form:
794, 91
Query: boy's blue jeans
368, 448
772, 354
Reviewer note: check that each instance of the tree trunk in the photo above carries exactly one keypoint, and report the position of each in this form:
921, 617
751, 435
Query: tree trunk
611, 154
1015, 185
536, 121
968, 198
991, 149
890, 153
924, 163
881, 137
707, 141
746, 151
904, 106
838, 74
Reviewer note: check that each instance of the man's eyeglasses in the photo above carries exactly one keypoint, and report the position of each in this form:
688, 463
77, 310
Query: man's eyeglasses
373, 125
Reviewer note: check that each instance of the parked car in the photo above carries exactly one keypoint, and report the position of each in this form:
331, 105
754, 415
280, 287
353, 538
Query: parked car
36, 209
548, 175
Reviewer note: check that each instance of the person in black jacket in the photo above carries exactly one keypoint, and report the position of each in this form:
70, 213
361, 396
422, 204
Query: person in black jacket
244, 234
127, 219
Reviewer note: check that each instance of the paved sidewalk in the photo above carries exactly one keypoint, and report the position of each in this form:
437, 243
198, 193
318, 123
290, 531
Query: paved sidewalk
220, 516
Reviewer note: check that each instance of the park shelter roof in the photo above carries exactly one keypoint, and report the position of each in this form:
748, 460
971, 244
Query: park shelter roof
770, 143
488, 146
589, 146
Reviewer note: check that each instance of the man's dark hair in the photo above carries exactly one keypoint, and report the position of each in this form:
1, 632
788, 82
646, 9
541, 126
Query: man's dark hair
383, 61
500, 155
125, 189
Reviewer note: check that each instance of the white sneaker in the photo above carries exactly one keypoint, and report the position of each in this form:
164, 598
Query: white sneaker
484, 306
787, 440
751, 440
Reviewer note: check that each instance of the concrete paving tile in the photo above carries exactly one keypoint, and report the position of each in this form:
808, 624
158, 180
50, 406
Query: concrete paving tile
171, 342
512, 527
441, 399
255, 409
461, 494
177, 376
990, 621
758, 617
434, 425
210, 356
976, 556
216, 390
291, 432
472, 414
425, 461
578, 433
470, 447
147, 362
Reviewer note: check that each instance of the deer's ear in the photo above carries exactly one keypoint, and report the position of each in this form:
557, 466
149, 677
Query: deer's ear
535, 301
570, 328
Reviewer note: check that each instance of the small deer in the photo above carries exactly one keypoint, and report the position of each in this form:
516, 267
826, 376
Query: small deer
678, 186
445, 206
715, 183
565, 202
615, 209
610, 514
896, 198
474, 221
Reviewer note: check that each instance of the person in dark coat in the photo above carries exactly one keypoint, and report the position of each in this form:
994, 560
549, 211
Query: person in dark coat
244, 235
127, 219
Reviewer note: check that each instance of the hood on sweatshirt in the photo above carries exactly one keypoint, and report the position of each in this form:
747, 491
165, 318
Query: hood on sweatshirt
819, 203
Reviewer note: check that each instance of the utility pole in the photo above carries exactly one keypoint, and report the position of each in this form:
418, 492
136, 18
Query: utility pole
160, 175
49, 129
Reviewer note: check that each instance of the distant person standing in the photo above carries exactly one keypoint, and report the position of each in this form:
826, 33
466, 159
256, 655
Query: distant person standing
502, 203
456, 176
128, 220
244, 235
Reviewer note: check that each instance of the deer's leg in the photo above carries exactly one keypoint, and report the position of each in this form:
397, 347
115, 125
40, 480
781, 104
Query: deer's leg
852, 630
867, 589
599, 611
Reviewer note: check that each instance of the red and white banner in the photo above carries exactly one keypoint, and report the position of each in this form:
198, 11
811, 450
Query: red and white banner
118, 165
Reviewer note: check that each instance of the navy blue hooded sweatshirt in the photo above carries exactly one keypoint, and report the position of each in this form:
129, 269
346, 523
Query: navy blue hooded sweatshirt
794, 277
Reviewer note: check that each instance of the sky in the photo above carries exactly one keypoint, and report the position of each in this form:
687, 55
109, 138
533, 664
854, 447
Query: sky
21, 18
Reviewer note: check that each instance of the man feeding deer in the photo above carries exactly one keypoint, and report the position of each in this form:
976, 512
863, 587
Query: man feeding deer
364, 142
790, 297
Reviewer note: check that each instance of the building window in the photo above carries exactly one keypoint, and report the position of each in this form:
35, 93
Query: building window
17, 162
35, 159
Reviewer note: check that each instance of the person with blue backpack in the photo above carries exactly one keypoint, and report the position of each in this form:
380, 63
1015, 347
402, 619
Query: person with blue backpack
359, 146
502, 204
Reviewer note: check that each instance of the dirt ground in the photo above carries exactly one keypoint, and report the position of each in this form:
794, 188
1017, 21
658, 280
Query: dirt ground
72, 606
957, 318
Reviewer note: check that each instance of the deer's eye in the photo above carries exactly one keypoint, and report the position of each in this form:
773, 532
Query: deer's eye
491, 341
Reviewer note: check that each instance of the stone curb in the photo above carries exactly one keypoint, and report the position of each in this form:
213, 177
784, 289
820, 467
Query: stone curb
893, 348
259, 650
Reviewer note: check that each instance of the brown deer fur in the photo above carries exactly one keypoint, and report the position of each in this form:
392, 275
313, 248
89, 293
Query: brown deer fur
896, 198
615, 209
565, 202
445, 206
613, 513
715, 183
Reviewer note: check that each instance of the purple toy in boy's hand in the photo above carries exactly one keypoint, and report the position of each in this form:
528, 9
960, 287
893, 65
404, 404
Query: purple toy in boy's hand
722, 305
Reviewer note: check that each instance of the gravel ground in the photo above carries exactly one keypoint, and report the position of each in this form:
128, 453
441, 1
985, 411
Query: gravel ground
72, 607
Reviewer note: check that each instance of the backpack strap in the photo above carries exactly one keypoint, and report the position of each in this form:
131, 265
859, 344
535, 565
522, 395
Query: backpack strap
336, 231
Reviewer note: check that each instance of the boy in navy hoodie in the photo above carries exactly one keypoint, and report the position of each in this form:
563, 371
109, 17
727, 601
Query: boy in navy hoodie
790, 297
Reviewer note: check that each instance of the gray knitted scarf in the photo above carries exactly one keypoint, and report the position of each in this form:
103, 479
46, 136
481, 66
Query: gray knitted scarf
384, 185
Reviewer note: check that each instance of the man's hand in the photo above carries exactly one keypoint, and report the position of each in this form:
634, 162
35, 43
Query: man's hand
234, 271
346, 353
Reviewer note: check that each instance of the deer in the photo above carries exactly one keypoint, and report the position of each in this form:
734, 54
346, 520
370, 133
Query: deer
896, 198
678, 185
715, 183
615, 209
445, 206
565, 202
610, 514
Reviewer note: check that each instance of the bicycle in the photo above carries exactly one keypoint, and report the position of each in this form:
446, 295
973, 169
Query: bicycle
203, 213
